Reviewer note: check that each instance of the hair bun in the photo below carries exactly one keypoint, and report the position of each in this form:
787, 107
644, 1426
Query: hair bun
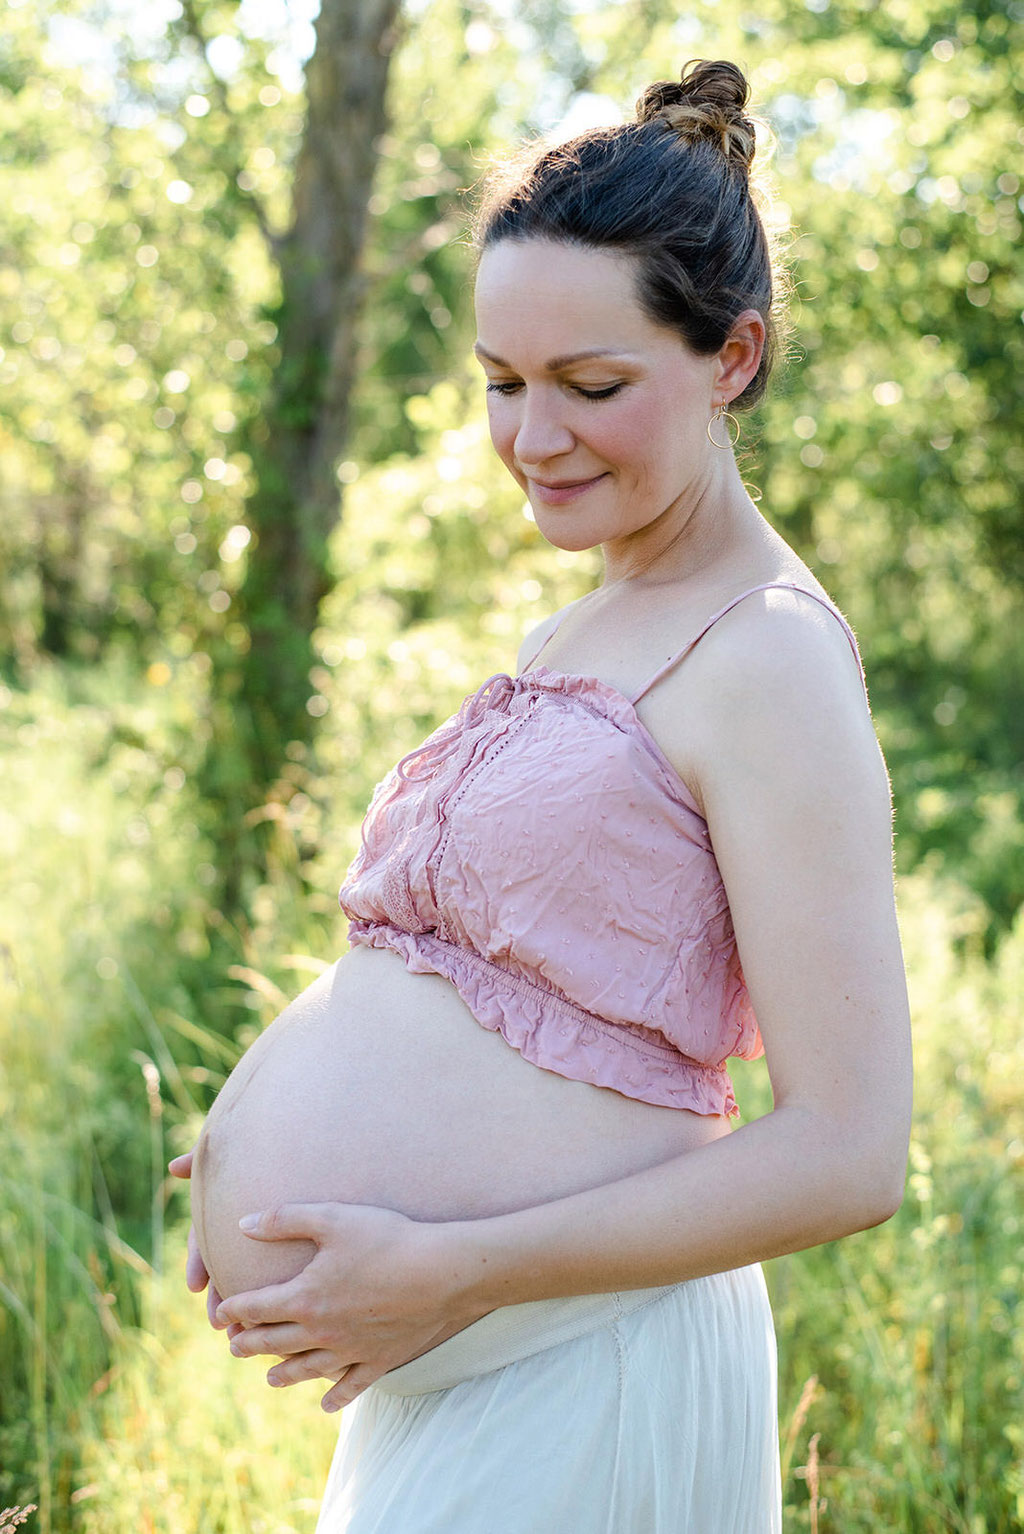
707, 103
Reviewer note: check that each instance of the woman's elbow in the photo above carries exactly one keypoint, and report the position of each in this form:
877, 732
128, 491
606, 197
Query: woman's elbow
886, 1203
878, 1186
864, 1172
870, 1143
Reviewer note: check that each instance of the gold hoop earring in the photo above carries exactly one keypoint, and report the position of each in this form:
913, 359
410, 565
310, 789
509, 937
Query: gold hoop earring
732, 428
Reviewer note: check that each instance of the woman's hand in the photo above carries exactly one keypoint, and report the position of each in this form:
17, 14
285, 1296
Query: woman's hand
196, 1276
381, 1290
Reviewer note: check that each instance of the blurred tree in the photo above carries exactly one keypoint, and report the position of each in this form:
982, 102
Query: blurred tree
131, 291
297, 439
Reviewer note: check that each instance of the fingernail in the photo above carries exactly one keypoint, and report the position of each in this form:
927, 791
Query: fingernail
249, 1222
332, 1406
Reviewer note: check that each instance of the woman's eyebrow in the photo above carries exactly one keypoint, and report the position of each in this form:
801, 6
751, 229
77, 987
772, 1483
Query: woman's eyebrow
556, 362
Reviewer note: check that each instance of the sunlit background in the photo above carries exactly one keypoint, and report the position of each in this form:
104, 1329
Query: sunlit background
176, 813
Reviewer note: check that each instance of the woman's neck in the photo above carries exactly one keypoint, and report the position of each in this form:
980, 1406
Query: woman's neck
695, 536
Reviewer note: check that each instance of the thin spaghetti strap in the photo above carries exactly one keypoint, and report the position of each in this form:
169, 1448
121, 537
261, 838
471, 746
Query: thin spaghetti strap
735, 601
543, 646
552, 632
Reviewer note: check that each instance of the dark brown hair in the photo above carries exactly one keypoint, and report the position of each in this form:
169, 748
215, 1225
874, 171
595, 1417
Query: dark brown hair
671, 189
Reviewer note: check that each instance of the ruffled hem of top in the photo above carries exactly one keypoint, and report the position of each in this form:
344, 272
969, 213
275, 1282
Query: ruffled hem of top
553, 1033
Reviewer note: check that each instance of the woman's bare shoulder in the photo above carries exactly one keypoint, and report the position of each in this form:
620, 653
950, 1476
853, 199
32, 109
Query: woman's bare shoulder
779, 667
778, 693
782, 640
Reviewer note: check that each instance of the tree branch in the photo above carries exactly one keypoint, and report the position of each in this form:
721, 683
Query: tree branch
194, 29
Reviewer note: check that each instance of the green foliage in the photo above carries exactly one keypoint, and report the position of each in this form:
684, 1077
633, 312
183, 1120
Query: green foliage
119, 984
128, 303
229, 1457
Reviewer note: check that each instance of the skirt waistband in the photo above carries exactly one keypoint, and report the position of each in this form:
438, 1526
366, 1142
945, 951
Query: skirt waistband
513, 1332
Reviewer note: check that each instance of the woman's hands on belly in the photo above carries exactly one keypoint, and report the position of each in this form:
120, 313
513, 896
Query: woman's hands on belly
373, 1296
379, 1291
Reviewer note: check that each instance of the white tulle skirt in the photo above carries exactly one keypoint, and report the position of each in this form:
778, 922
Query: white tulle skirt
646, 1412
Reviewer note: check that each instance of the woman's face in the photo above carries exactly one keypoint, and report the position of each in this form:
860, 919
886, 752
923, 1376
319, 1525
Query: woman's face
599, 414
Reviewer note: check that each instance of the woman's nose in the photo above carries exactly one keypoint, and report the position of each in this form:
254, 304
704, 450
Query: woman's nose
541, 434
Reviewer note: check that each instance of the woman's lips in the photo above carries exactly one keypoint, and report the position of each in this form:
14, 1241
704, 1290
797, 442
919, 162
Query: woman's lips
565, 490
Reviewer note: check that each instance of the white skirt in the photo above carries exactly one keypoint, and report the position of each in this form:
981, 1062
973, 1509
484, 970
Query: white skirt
652, 1411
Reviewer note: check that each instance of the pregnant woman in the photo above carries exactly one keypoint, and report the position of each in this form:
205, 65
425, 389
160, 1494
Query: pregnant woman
494, 1191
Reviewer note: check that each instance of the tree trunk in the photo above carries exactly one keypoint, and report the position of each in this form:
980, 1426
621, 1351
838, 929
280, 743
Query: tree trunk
297, 500
62, 521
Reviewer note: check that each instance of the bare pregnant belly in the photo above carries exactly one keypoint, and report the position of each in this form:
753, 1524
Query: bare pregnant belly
377, 1086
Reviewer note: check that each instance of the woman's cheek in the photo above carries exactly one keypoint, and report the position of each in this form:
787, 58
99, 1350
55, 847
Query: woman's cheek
503, 424
502, 434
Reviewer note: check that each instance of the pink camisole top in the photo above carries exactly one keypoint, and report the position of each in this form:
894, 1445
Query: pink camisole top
540, 852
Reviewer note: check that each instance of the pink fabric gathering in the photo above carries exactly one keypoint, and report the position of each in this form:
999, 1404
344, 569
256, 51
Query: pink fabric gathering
540, 852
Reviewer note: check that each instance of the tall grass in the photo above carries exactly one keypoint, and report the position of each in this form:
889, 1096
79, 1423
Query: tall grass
915, 1331
107, 1056
901, 1349
190, 1439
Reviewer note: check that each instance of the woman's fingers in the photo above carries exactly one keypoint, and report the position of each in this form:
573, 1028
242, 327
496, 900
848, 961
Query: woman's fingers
277, 1302
196, 1276
181, 1166
197, 1279
352, 1383
367, 1293
291, 1222
317, 1364
261, 1307
282, 1341
213, 1300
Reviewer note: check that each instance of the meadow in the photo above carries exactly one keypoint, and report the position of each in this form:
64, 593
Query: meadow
900, 1349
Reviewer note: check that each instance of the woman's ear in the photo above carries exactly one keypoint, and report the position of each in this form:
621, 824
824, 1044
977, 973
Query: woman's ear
740, 357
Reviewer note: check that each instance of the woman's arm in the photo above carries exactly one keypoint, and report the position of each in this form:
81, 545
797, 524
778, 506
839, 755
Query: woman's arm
797, 800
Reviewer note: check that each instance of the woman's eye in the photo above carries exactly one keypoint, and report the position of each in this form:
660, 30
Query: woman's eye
599, 393
507, 387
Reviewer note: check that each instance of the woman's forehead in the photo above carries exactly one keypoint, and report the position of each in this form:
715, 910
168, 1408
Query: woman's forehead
542, 268
578, 298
